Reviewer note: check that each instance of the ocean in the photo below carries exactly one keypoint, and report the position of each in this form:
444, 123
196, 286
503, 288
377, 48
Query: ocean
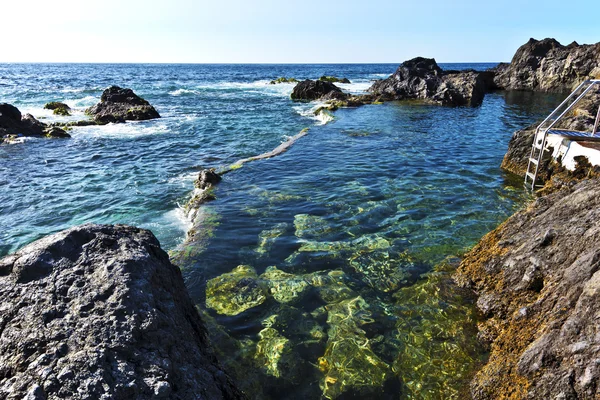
380, 197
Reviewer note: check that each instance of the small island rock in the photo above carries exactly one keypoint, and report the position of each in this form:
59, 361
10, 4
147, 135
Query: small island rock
120, 105
309, 90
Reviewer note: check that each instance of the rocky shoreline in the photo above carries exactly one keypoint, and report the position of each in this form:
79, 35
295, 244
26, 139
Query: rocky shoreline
116, 105
101, 311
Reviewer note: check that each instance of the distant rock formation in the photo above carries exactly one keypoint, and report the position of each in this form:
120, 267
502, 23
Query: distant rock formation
333, 79
538, 281
546, 65
120, 105
14, 125
99, 312
58, 108
422, 79
309, 90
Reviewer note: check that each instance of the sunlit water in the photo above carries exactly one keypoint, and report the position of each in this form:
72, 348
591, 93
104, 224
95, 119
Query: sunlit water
380, 195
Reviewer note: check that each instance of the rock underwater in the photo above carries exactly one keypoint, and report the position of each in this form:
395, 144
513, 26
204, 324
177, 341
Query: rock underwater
99, 312
120, 105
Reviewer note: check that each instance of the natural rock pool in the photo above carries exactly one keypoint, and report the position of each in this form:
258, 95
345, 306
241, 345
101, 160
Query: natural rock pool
323, 271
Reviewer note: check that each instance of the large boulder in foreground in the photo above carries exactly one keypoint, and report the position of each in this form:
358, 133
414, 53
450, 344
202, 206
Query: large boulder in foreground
422, 79
547, 65
309, 90
538, 281
120, 105
99, 312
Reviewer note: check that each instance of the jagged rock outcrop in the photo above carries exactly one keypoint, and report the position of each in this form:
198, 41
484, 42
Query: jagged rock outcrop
309, 90
546, 65
422, 79
99, 312
538, 281
120, 105
13, 125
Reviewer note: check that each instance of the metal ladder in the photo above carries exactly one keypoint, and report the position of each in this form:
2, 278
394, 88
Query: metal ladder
541, 132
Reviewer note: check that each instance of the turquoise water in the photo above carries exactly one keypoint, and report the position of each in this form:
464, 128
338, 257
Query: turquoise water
380, 194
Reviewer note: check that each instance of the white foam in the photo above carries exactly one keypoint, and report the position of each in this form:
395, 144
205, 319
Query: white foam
181, 92
184, 179
130, 129
356, 87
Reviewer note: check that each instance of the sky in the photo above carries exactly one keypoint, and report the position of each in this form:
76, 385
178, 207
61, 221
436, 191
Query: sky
267, 31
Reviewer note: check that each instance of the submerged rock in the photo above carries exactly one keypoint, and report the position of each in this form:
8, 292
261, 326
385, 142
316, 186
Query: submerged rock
547, 65
235, 292
314, 90
349, 364
120, 105
537, 279
285, 287
422, 79
99, 312
55, 132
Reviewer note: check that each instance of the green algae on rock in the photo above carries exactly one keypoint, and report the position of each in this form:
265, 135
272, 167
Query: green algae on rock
235, 292
283, 286
349, 362
436, 337
267, 238
311, 226
283, 79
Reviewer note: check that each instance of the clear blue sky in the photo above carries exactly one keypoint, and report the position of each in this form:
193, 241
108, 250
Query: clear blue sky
266, 31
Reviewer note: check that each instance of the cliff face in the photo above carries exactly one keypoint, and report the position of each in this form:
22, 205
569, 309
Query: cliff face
546, 65
99, 312
538, 281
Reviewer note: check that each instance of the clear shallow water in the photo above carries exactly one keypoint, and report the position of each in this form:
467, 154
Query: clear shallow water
380, 195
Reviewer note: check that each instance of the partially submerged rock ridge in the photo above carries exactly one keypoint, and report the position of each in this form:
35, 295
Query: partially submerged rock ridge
99, 312
538, 281
120, 105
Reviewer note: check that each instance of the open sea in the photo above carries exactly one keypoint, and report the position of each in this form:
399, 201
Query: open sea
350, 234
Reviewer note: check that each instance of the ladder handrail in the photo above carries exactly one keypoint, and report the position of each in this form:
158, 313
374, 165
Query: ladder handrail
538, 160
562, 104
597, 123
573, 104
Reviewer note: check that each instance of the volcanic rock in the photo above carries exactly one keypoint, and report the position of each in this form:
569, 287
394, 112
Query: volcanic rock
315, 90
120, 105
547, 65
538, 281
422, 79
99, 312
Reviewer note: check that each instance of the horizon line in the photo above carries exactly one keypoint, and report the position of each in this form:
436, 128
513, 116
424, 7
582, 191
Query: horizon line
240, 63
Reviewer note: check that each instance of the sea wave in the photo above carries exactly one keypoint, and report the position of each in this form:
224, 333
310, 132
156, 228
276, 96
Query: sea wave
182, 92
131, 129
